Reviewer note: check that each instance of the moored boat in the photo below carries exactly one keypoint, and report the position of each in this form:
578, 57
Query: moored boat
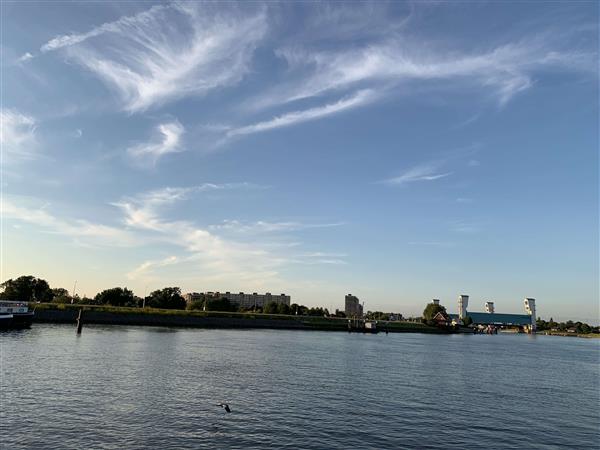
362, 326
15, 315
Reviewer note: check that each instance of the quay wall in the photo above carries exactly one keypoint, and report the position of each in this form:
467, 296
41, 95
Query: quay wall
197, 319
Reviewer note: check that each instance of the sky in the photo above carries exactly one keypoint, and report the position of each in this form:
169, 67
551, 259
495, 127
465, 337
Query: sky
396, 151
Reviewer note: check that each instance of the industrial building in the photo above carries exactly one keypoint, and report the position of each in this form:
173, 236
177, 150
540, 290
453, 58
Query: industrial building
353, 308
241, 299
490, 317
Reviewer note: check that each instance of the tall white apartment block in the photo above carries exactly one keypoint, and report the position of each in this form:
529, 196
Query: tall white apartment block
530, 308
463, 303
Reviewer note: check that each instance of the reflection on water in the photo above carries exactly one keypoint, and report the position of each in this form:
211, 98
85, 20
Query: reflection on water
136, 388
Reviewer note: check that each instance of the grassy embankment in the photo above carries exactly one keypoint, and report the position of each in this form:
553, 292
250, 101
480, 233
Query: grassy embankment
308, 322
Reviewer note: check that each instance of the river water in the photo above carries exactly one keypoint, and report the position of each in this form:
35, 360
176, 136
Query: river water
141, 388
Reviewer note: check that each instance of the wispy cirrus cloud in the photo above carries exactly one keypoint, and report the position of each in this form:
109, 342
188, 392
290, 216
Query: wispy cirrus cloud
167, 140
260, 226
119, 25
462, 226
500, 72
148, 61
435, 169
214, 253
83, 232
141, 210
355, 100
17, 135
204, 249
422, 172
432, 243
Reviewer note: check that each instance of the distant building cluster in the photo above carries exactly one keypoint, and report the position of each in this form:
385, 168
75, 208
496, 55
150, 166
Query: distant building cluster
241, 299
353, 308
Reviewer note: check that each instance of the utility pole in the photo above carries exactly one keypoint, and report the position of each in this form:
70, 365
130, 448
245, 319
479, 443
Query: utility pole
73, 295
144, 300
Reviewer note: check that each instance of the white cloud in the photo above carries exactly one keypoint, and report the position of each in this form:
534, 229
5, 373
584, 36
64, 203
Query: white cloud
323, 255
25, 57
465, 227
83, 231
423, 172
117, 26
17, 135
213, 255
268, 227
204, 249
167, 140
149, 266
503, 71
432, 243
291, 118
168, 51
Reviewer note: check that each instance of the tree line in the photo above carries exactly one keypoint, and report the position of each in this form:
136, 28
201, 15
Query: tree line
31, 289
569, 325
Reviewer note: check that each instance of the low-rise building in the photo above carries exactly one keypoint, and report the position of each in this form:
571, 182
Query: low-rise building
242, 299
191, 297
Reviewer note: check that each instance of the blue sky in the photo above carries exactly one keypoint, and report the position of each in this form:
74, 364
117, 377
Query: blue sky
396, 151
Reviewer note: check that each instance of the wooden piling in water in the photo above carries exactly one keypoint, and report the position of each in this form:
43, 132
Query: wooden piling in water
79, 321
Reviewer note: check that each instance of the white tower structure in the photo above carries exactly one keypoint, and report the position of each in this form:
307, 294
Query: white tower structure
489, 307
530, 308
463, 302
436, 301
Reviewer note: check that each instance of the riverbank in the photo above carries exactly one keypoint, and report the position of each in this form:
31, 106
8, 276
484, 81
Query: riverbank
110, 315
566, 334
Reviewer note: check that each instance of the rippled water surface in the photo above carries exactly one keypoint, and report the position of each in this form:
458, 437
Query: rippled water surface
138, 388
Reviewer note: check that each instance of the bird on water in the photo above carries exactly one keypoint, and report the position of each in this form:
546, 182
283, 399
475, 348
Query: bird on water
225, 406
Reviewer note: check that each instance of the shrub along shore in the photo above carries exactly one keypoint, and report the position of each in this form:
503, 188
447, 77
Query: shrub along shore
113, 315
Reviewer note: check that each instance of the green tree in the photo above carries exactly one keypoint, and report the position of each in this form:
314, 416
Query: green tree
431, 310
221, 304
61, 295
167, 298
270, 308
87, 301
283, 308
318, 311
115, 297
26, 289
197, 305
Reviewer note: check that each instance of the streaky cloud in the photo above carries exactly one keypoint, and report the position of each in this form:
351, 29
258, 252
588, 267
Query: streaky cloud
67, 40
260, 226
147, 61
83, 231
168, 140
359, 98
502, 72
423, 172
17, 135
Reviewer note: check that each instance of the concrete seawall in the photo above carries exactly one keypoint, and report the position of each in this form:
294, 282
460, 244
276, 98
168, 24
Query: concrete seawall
169, 318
